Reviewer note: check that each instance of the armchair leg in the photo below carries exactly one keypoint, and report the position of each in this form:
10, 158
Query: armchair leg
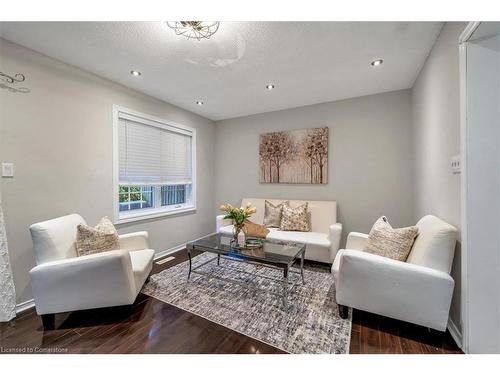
343, 311
48, 321
147, 280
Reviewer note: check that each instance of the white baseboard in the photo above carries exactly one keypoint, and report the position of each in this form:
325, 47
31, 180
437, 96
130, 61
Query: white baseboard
163, 253
455, 333
26, 305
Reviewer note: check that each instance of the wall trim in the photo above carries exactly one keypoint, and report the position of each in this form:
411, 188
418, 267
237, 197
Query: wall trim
468, 31
455, 333
174, 249
26, 305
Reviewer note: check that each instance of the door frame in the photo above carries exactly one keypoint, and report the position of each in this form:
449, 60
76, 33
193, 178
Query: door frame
464, 196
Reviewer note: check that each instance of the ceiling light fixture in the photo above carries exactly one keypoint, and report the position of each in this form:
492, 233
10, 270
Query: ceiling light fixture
270, 86
194, 29
135, 73
199, 102
377, 62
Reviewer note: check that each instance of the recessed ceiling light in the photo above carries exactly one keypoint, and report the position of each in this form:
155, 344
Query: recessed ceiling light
377, 62
270, 86
199, 102
135, 73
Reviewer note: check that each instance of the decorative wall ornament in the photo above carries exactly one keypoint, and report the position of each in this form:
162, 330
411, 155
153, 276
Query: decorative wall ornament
8, 82
18, 77
7, 290
194, 29
294, 157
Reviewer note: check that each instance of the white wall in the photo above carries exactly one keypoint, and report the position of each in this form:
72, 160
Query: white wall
59, 136
436, 138
370, 170
483, 197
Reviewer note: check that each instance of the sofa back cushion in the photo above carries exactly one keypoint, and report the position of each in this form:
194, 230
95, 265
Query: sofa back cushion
295, 219
323, 213
55, 239
273, 214
434, 246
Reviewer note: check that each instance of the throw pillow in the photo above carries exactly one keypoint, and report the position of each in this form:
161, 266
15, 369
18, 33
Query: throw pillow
392, 243
255, 230
272, 214
295, 218
93, 240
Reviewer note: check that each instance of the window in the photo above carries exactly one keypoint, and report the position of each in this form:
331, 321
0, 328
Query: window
154, 166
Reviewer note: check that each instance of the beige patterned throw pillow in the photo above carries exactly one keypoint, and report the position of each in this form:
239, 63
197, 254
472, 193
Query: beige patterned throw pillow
272, 214
392, 243
92, 240
295, 218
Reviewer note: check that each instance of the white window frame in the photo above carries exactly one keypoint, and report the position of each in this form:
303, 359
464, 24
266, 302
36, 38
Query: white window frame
144, 214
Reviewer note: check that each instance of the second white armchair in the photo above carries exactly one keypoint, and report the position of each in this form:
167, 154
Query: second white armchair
417, 291
63, 282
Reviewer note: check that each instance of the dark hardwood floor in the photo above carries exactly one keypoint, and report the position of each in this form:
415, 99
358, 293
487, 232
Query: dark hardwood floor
152, 326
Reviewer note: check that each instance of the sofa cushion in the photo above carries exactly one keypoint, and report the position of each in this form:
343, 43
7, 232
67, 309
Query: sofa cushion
92, 240
392, 243
309, 238
295, 219
435, 245
272, 214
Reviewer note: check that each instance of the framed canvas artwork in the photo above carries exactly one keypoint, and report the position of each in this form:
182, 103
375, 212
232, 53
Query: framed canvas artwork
294, 156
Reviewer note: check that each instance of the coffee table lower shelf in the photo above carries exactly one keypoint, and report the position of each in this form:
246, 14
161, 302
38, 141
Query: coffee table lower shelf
286, 285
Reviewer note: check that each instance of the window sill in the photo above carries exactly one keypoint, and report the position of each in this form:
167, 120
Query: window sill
153, 214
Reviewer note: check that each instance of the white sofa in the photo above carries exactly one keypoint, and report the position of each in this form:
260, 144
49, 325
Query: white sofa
62, 282
417, 291
322, 242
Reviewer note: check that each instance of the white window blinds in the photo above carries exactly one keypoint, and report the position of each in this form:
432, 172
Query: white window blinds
153, 155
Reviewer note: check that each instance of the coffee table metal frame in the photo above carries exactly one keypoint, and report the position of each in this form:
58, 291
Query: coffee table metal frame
286, 267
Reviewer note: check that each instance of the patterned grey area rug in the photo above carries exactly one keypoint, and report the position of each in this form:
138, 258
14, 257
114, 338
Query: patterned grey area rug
310, 324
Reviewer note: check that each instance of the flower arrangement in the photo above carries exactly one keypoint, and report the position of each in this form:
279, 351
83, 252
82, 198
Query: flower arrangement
238, 215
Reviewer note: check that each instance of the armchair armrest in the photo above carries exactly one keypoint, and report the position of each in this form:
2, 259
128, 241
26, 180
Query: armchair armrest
356, 241
91, 281
393, 288
134, 241
221, 222
335, 235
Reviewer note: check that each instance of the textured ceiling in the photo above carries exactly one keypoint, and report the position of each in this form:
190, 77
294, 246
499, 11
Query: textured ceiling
309, 62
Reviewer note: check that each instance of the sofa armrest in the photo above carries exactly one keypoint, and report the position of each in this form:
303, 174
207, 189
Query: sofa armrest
91, 281
221, 222
335, 235
134, 241
356, 241
393, 288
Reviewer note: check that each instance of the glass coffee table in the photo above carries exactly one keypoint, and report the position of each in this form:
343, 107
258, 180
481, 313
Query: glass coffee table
278, 255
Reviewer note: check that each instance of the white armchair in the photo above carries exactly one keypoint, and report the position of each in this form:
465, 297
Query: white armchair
417, 291
63, 282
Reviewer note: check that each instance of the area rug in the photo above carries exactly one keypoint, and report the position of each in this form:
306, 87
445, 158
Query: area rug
252, 305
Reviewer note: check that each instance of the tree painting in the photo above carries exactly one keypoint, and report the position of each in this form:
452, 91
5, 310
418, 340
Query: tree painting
297, 156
